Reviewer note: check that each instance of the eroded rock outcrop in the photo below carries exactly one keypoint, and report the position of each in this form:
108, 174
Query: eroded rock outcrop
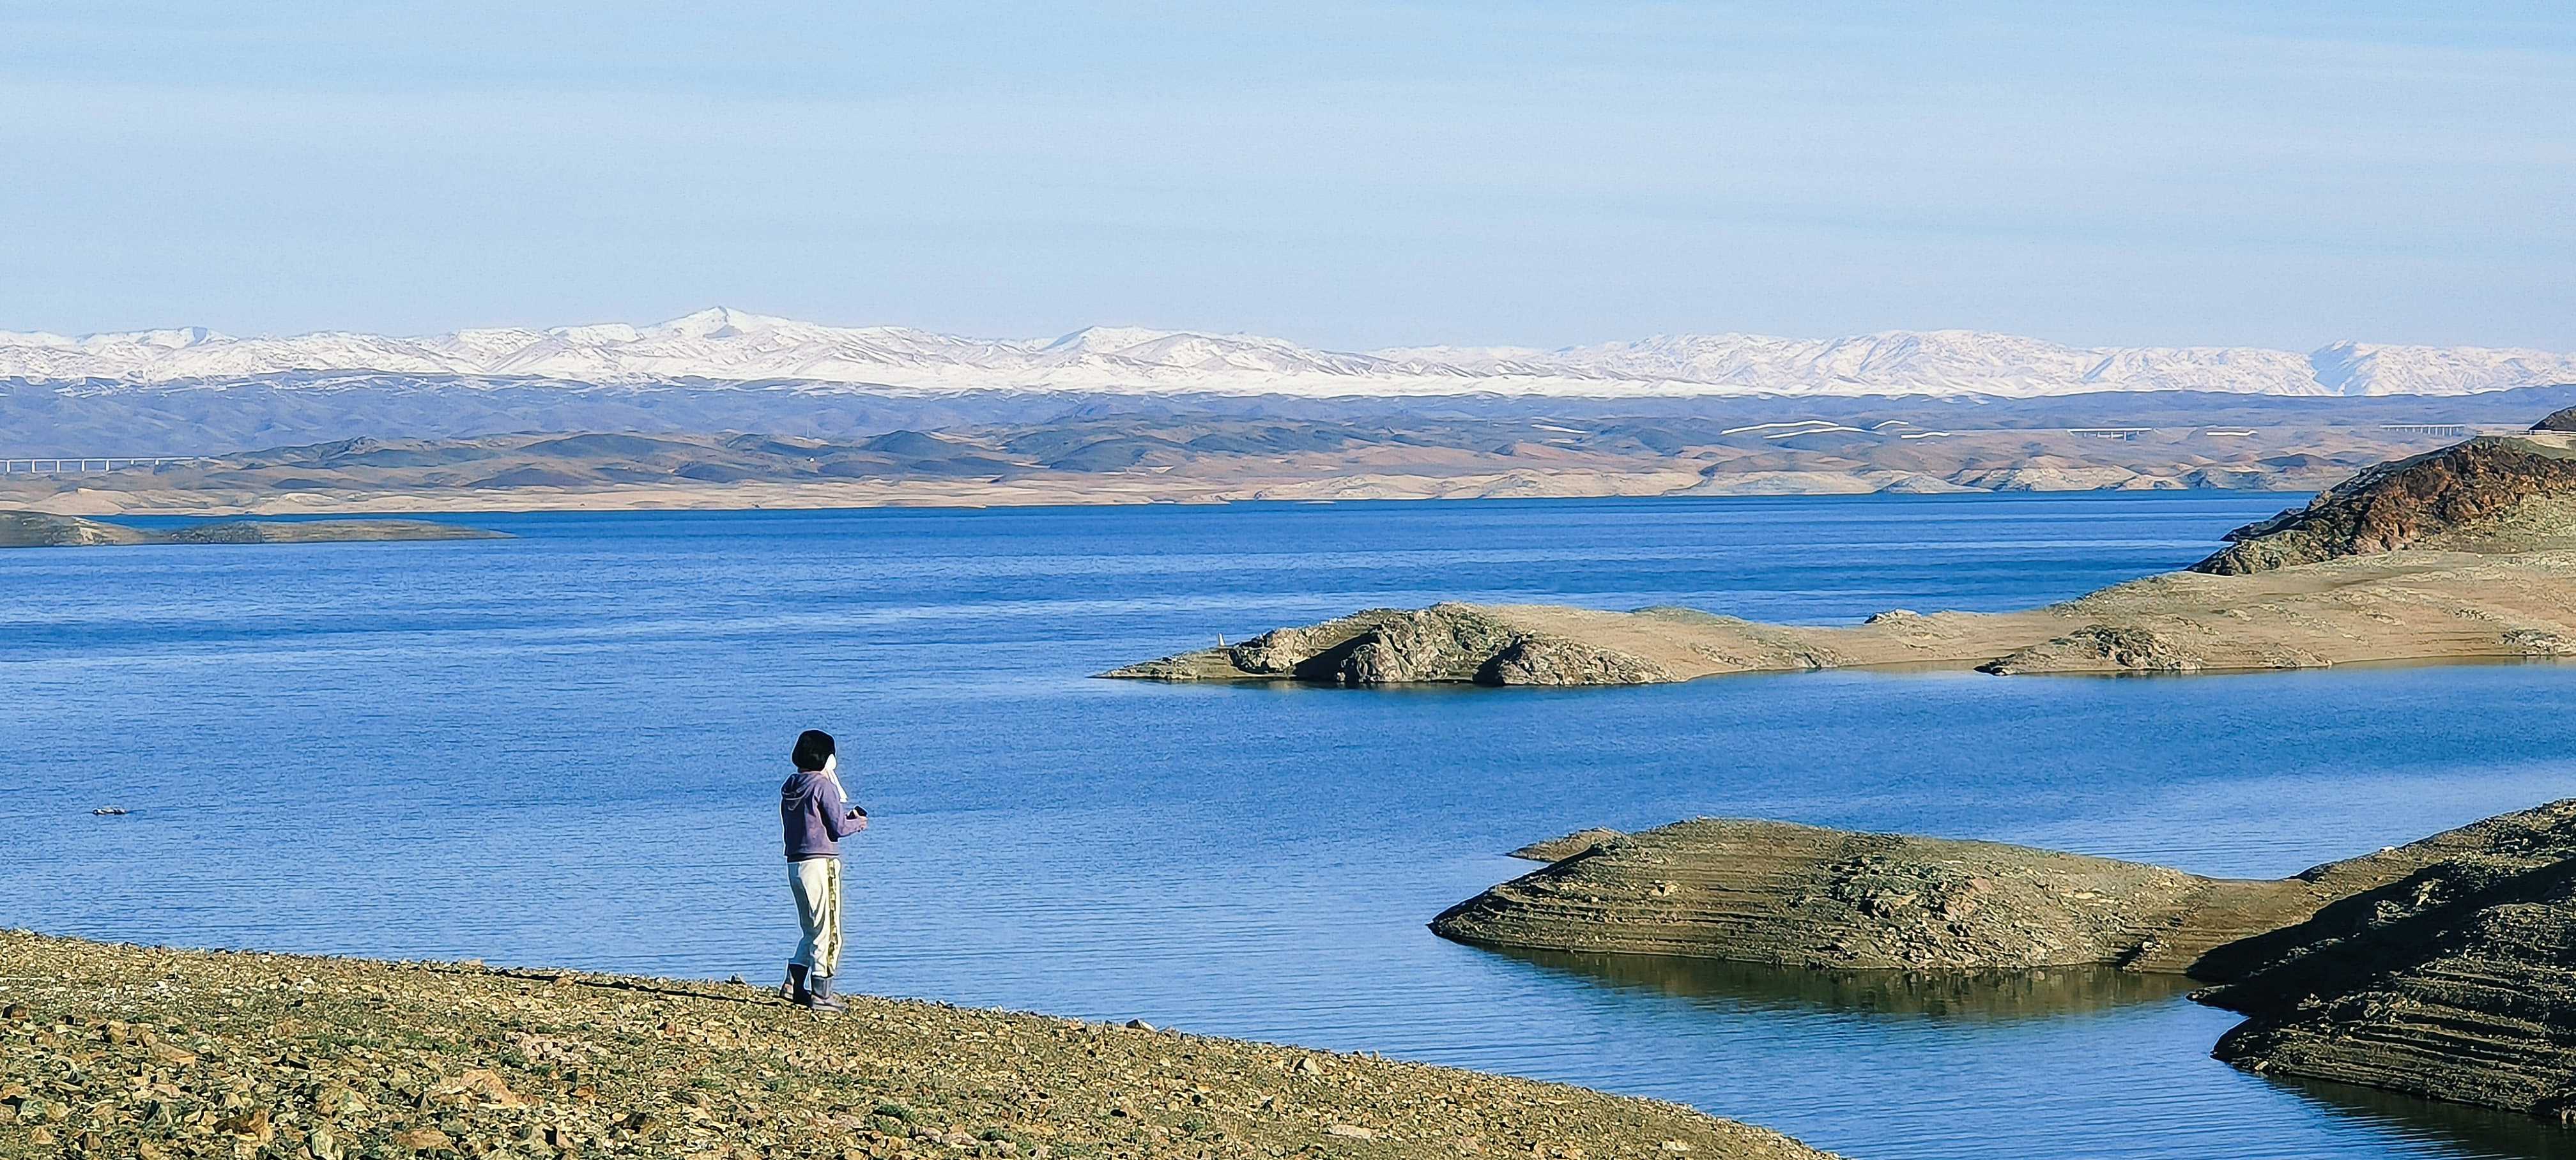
1794, 895
2106, 647
2444, 968
2456, 981
1445, 643
2500, 493
1805, 896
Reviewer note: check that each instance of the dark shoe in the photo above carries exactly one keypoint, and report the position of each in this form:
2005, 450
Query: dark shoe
819, 997
793, 990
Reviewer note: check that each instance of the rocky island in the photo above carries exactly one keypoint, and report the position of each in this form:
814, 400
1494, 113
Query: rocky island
2444, 968
112, 1050
24, 529
2464, 553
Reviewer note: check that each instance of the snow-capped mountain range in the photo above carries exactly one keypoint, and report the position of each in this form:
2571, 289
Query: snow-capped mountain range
729, 346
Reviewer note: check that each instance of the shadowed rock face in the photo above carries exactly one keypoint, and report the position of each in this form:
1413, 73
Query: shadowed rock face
2445, 968
2472, 490
2456, 982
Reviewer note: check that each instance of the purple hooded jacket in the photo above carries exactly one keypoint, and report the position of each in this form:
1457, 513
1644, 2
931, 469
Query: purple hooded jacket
815, 818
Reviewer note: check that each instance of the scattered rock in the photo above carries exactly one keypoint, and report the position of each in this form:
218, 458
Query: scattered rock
338, 1059
2539, 643
423, 1140
255, 1128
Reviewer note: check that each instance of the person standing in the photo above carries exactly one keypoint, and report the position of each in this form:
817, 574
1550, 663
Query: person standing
816, 816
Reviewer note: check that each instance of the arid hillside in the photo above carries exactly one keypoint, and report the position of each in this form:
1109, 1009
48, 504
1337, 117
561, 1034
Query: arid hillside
962, 451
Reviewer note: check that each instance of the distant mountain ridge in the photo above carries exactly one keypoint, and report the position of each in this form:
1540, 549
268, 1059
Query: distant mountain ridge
724, 346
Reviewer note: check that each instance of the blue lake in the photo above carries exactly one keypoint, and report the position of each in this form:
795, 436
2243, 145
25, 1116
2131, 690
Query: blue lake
564, 748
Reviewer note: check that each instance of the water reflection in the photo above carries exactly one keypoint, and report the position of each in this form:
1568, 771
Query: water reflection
2042, 994
2471, 1131
1969, 995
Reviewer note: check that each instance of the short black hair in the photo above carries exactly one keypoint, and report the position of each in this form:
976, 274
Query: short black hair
813, 747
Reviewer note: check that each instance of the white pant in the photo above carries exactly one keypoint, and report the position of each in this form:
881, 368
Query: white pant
817, 883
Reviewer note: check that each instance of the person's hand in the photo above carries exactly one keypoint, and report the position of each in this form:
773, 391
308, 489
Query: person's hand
858, 821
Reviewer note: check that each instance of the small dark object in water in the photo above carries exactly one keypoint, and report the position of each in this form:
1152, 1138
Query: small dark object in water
109, 812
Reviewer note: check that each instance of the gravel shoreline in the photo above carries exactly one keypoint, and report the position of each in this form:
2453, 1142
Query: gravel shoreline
112, 1050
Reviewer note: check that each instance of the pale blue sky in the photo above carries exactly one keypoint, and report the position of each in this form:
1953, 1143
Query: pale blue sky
1349, 175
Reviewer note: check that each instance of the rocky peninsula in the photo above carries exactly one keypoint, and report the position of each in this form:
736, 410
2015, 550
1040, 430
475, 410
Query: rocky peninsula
2397, 606
2454, 982
113, 1050
2492, 495
2444, 968
25, 529
2464, 553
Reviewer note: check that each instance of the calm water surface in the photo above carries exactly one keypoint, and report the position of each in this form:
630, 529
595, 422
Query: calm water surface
564, 748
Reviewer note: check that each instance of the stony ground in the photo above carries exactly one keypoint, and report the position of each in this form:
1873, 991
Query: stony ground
120, 1051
